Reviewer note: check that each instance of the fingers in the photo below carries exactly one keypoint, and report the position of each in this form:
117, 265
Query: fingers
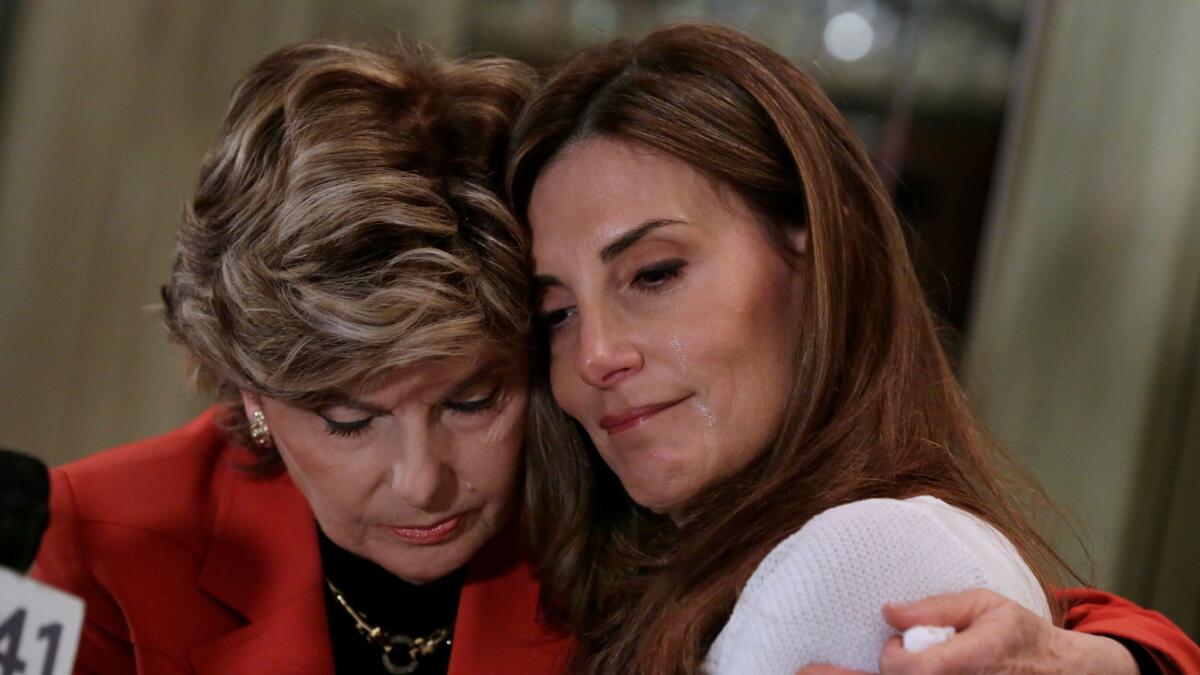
894, 660
999, 636
964, 653
953, 609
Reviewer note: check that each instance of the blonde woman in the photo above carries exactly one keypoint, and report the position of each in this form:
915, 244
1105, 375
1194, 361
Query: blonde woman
351, 291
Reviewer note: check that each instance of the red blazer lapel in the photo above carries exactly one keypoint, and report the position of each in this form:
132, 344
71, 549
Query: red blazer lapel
294, 640
498, 630
263, 563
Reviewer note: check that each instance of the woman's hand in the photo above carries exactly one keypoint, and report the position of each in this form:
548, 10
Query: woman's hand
995, 635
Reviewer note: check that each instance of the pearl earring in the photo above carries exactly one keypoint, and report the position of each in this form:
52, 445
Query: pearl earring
260, 433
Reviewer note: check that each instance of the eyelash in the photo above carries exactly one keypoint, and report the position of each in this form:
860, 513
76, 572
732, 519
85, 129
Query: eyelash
474, 406
663, 273
551, 321
652, 279
359, 427
348, 429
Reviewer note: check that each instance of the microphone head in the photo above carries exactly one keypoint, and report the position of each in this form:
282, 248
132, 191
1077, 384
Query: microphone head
24, 508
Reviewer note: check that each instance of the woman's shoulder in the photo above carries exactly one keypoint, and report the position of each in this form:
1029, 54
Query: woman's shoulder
922, 539
818, 595
165, 539
876, 538
173, 465
186, 444
167, 484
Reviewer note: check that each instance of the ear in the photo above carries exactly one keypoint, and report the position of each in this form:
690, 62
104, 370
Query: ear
798, 236
250, 402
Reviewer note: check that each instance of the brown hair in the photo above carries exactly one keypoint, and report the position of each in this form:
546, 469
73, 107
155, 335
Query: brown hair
346, 225
875, 410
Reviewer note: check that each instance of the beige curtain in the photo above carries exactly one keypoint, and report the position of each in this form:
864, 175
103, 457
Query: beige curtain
1083, 354
109, 108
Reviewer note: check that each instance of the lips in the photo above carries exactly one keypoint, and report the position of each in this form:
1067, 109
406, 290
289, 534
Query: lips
428, 535
628, 419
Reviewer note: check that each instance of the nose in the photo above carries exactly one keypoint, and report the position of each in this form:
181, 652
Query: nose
606, 354
420, 474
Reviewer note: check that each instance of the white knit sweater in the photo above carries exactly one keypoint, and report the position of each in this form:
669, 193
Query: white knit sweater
817, 596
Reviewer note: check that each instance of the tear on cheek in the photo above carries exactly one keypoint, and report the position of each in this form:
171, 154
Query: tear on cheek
681, 358
707, 416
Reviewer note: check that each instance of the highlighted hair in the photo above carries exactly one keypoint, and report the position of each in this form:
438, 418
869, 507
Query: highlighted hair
346, 225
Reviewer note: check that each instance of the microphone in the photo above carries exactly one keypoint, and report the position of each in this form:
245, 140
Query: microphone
24, 508
39, 625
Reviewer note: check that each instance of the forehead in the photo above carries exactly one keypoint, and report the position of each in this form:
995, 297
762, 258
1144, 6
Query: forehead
429, 379
602, 186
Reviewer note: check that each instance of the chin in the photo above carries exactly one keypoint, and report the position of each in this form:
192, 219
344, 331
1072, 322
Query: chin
664, 503
661, 482
425, 577
432, 571
423, 565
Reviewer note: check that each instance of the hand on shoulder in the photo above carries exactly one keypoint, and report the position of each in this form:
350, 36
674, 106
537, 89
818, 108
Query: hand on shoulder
996, 635
816, 597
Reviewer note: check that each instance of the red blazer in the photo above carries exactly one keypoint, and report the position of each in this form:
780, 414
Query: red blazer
190, 565
1100, 613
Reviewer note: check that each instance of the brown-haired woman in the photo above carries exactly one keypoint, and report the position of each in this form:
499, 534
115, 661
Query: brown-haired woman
762, 440
352, 291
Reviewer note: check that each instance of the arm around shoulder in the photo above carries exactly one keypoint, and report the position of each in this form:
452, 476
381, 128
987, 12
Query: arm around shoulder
1100, 613
817, 597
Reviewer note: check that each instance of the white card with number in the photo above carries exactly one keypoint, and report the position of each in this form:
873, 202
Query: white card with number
39, 627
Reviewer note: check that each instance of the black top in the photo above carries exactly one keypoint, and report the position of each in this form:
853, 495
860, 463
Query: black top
388, 602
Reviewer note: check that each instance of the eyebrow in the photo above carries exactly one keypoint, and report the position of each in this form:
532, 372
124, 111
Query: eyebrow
344, 400
618, 246
615, 247
485, 370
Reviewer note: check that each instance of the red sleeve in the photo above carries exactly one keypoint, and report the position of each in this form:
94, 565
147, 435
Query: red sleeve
1099, 613
62, 563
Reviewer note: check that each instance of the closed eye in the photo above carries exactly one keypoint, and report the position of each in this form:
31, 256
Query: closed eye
475, 405
348, 429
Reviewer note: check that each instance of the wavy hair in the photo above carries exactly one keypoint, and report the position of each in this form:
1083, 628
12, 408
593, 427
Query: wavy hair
875, 410
346, 225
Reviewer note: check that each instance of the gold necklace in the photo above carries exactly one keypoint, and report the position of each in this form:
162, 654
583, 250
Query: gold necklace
409, 649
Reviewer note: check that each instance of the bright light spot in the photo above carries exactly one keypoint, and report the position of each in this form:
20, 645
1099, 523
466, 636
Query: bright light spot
849, 36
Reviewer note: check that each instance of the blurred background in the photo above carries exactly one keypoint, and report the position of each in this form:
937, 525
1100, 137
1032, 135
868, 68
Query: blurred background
1046, 156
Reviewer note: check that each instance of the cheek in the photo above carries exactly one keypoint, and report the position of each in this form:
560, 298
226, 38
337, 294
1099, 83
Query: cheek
333, 471
303, 462
765, 371
738, 356
334, 490
315, 457
490, 459
780, 339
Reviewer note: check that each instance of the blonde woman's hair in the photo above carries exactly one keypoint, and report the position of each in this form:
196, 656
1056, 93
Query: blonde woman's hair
346, 226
